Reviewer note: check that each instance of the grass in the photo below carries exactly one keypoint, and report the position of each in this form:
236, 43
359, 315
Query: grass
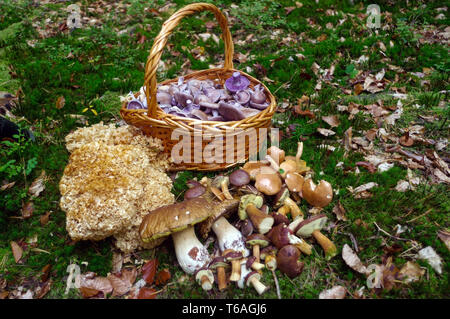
93, 66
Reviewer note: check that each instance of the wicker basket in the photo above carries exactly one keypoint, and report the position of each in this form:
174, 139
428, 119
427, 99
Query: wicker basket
157, 123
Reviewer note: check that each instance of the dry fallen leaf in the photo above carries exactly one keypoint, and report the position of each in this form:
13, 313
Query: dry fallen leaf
88, 292
163, 276
27, 210
431, 257
411, 272
325, 132
16, 250
339, 210
331, 120
60, 102
444, 235
38, 185
44, 218
337, 292
149, 271
353, 261
6, 186
147, 293
90, 281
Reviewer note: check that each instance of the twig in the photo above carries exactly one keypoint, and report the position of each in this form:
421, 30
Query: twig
385, 232
411, 220
276, 284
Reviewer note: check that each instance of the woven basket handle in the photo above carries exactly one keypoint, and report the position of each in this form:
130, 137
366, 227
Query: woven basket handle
161, 40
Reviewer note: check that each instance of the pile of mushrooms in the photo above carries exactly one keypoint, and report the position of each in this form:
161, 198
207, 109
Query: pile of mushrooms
207, 100
271, 231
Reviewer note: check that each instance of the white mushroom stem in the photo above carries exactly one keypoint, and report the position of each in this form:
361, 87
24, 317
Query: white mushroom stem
205, 283
244, 272
258, 285
229, 237
190, 252
299, 151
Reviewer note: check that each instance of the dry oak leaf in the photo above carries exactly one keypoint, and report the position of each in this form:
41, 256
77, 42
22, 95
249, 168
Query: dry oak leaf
337, 292
411, 272
90, 281
149, 271
60, 102
353, 261
444, 235
38, 185
27, 210
339, 211
331, 120
17, 251
163, 276
147, 293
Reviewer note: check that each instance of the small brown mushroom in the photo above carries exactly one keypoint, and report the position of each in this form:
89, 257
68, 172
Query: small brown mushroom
253, 168
294, 182
288, 261
235, 258
312, 227
282, 198
317, 195
256, 242
205, 278
223, 182
268, 184
249, 204
254, 264
253, 279
219, 264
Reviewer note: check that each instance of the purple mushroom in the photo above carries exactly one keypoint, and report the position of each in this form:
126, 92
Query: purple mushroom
135, 104
258, 96
242, 97
237, 82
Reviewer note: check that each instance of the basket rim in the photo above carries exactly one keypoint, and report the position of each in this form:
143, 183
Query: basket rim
189, 121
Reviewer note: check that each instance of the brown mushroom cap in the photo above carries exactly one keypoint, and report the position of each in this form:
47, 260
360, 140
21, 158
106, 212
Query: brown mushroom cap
279, 218
253, 168
217, 262
268, 184
222, 209
169, 219
294, 181
318, 196
250, 275
269, 250
239, 178
280, 197
279, 235
246, 227
257, 239
307, 227
288, 166
232, 255
288, 261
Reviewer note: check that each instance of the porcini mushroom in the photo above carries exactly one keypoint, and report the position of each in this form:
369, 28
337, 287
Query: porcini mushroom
253, 279
228, 236
288, 261
219, 264
256, 242
282, 198
205, 278
235, 258
178, 220
317, 195
250, 204
312, 227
